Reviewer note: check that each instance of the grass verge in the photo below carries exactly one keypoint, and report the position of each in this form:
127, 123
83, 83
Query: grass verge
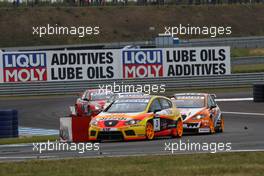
27, 139
249, 68
251, 163
242, 52
132, 23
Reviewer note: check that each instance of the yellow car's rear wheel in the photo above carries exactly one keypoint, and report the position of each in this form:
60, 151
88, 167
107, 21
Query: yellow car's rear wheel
179, 128
149, 131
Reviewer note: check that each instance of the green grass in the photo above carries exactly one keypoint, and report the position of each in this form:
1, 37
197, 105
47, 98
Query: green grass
242, 52
28, 139
224, 164
249, 68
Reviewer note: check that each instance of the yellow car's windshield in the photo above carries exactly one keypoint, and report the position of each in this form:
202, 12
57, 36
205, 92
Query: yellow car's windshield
128, 106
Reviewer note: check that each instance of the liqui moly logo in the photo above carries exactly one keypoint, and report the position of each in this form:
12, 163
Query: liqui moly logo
24, 67
142, 63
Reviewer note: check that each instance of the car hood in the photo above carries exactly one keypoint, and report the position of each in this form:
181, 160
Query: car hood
189, 112
100, 102
103, 116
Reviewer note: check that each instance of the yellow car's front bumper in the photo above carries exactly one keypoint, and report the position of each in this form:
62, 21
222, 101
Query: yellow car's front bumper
135, 132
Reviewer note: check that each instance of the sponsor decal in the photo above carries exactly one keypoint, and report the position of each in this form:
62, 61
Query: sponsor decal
24, 67
82, 65
197, 61
142, 63
112, 118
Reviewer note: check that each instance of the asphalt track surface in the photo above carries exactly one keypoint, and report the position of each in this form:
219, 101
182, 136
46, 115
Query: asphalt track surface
244, 122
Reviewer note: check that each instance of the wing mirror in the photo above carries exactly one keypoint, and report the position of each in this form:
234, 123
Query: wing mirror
212, 107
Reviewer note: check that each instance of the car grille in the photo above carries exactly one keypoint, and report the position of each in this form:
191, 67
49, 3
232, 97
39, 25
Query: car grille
110, 123
111, 135
192, 125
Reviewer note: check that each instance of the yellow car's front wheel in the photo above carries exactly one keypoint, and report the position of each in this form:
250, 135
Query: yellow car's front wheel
149, 131
178, 130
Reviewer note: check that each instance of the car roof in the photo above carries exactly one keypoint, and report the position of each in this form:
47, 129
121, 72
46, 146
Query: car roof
128, 93
191, 94
145, 96
136, 97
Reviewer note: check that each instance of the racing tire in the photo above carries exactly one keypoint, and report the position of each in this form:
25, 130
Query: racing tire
149, 131
212, 128
221, 128
178, 130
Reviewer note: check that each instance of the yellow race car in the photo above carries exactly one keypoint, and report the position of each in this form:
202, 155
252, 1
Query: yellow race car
136, 118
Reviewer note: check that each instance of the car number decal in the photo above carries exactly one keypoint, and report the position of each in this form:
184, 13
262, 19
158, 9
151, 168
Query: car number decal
156, 123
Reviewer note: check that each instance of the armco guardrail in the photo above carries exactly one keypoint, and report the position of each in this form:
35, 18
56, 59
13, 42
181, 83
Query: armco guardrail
247, 60
43, 88
233, 42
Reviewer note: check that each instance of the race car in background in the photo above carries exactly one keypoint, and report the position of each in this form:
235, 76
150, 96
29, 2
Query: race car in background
200, 112
91, 102
135, 118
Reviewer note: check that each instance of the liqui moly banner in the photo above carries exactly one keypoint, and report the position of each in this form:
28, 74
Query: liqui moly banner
113, 64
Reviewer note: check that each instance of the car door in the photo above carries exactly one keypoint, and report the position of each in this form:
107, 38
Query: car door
217, 111
156, 107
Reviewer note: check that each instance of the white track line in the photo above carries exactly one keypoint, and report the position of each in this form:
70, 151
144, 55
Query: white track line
234, 99
16, 145
243, 113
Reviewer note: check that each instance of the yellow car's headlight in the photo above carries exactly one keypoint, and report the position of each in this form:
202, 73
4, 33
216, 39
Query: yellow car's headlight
132, 122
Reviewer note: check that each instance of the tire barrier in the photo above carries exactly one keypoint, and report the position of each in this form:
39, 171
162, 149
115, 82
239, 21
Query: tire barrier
258, 92
8, 123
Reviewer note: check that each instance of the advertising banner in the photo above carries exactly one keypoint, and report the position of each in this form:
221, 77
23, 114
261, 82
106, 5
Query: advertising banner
78, 65
83, 65
60, 65
198, 61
